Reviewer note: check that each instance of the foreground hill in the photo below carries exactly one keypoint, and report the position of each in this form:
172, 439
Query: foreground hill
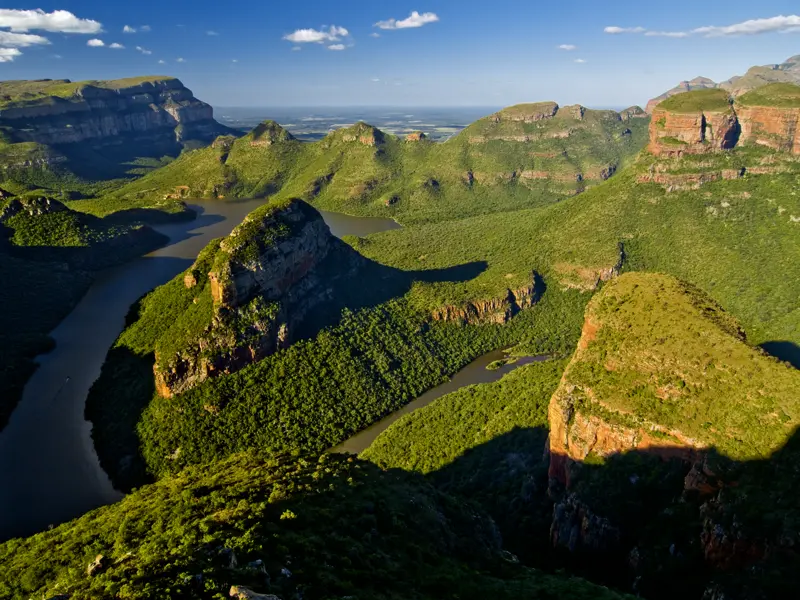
318, 528
756, 77
61, 136
670, 457
522, 156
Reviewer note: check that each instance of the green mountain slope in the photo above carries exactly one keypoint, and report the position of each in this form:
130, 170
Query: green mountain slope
503, 162
325, 528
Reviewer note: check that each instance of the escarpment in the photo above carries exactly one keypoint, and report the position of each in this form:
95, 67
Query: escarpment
700, 122
61, 112
254, 288
664, 401
500, 309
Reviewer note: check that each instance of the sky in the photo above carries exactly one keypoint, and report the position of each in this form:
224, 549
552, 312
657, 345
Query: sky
399, 52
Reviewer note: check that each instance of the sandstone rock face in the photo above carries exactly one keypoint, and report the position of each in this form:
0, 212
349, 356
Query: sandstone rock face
263, 284
417, 136
162, 108
32, 206
242, 593
493, 310
527, 113
673, 134
777, 128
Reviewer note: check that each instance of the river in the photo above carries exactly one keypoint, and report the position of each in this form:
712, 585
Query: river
474, 373
49, 471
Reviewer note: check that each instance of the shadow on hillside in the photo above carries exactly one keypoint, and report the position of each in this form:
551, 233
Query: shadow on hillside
643, 521
786, 351
355, 283
116, 161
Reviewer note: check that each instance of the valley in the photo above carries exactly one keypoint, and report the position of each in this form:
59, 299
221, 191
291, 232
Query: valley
552, 353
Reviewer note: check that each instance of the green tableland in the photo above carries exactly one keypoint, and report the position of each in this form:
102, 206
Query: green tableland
327, 527
712, 100
779, 95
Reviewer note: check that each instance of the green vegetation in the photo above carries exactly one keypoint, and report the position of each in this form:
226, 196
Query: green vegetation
312, 395
485, 442
47, 254
328, 527
488, 167
779, 95
14, 94
697, 101
665, 353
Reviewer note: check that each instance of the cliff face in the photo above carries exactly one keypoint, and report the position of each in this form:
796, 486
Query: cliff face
100, 112
262, 282
696, 123
649, 420
498, 310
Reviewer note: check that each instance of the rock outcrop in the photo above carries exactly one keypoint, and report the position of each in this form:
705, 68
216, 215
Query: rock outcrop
262, 281
493, 310
698, 83
62, 112
703, 122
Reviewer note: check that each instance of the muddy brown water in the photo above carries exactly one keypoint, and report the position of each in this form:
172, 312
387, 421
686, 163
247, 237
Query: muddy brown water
474, 373
49, 471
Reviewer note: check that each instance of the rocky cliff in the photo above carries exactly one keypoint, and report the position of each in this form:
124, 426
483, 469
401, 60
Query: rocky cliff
498, 310
665, 401
253, 288
699, 122
62, 112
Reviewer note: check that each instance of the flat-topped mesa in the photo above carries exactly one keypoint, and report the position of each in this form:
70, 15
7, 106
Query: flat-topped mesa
663, 371
261, 282
63, 112
770, 116
268, 133
499, 310
526, 113
694, 123
633, 112
708, 120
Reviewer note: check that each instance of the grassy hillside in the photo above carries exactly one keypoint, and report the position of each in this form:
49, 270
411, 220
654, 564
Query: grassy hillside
327, 527
697, 101
35, 92
491, 166
780, 95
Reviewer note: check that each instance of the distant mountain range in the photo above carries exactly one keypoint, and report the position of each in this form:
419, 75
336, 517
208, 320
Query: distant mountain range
785, 72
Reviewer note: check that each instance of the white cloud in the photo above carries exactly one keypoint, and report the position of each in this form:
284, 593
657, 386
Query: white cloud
568, 47
145, 28
9, 54
95, 43
57, 56
671, 34
375, 80
180, 60
212, 33
236, 60
779, 24
306, 36
415, 19
337, 47
580, 61
375, 34
128, 29
144, 51
162, 62
60, 21
116, 46
615, 30
21, 40
296, 49
752, 27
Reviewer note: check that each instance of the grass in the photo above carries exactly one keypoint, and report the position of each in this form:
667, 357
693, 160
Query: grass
779, 95
710, 100
665, 353
328, 527
21, 93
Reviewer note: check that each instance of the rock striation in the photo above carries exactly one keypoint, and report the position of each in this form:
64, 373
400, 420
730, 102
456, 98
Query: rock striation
259, 284
498, 310
62, 112
703, 122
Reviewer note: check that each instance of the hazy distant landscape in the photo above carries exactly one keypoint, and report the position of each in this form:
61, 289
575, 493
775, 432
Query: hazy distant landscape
314, 123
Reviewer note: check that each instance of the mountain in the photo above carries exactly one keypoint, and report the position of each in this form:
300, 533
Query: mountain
526, 154
61, 136
785, 72
249, 527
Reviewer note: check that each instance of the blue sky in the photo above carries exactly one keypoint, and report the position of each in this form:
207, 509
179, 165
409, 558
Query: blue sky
363, 52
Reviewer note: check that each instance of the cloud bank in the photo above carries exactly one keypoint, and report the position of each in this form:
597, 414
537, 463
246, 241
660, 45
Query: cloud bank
414, 20
313, 36
779, 24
